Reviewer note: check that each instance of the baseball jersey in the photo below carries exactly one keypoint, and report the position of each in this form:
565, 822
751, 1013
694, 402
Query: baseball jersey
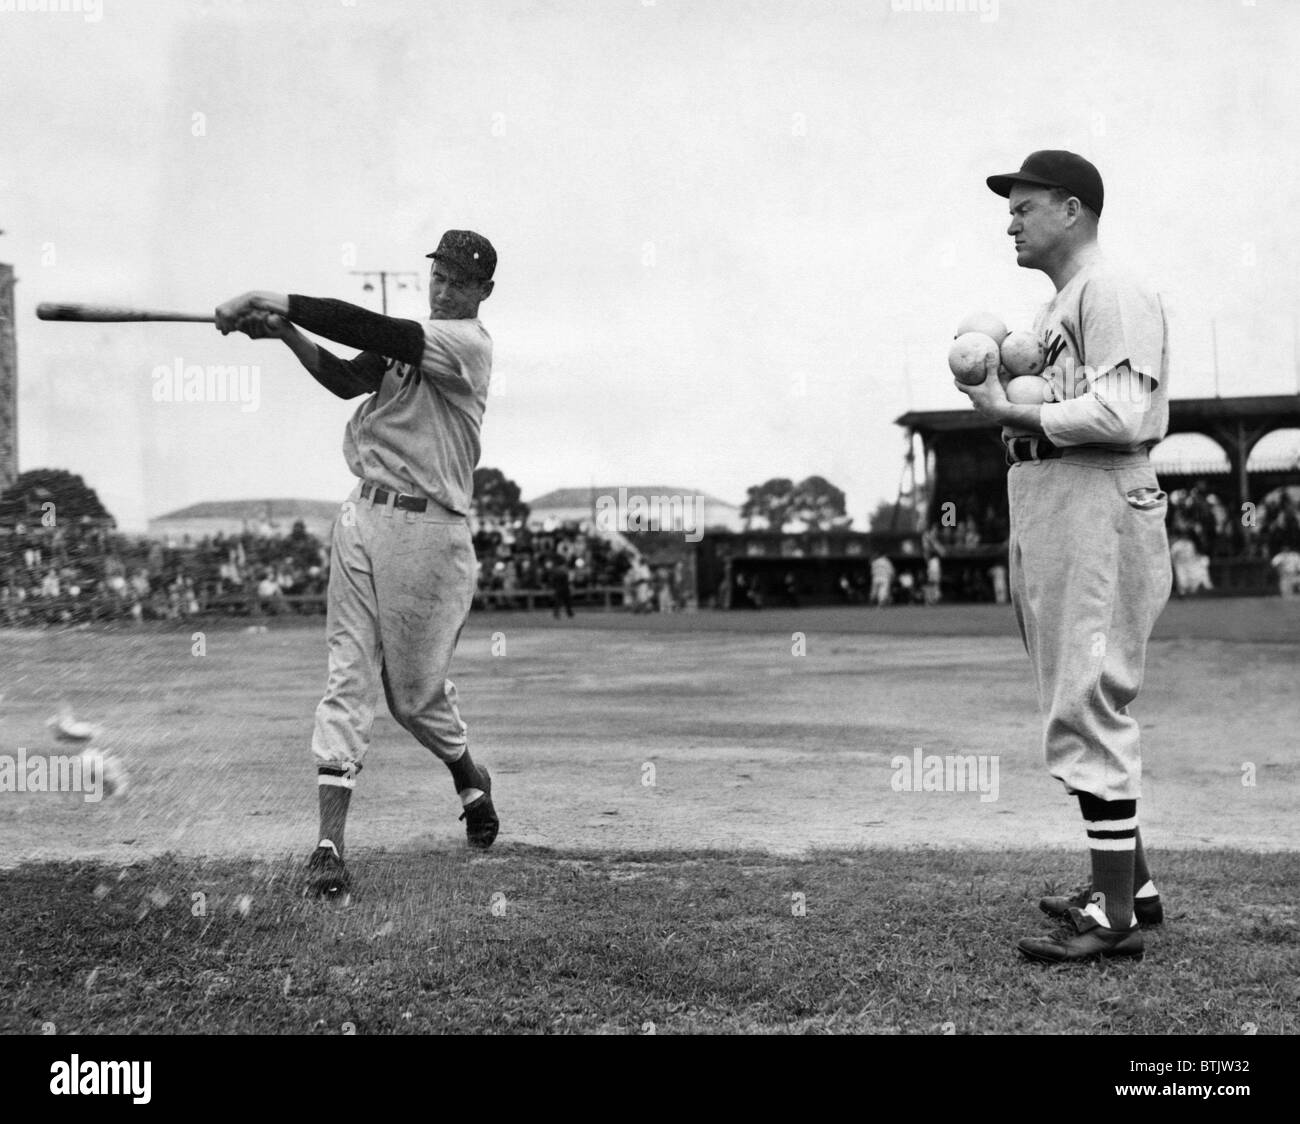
1101, 318
419, 432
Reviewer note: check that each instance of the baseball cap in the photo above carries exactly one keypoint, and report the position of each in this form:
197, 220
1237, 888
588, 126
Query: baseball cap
1052, 167
468, 251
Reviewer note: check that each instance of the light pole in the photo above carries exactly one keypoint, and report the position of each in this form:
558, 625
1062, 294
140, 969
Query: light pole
383, 275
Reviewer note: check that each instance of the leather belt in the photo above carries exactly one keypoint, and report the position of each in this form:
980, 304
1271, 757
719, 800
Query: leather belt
1030, 449
401, 501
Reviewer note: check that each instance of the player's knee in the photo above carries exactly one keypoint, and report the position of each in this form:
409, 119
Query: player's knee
410, 708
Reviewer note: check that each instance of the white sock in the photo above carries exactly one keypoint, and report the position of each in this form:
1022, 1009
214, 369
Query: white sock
1148, 890
469, 795
1094, 910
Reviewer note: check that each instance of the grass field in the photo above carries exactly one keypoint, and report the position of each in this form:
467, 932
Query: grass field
613, 905
878, 942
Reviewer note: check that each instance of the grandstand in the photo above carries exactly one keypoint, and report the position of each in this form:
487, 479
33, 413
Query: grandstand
85, 571
1237, 506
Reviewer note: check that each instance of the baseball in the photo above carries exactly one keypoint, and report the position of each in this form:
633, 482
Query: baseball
1028, 390
984, 322
1022, 354
969, 355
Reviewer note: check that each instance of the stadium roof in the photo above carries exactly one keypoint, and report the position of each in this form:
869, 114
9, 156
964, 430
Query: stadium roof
281, 509
585, 497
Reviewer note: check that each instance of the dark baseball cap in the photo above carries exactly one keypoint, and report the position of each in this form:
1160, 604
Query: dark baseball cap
469, 252
1053, 167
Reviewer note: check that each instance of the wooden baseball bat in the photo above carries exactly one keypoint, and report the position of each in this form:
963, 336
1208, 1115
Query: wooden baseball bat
108, 313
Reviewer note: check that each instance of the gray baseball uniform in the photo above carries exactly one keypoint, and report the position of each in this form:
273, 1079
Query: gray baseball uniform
1089, 557
402, 574
401, 581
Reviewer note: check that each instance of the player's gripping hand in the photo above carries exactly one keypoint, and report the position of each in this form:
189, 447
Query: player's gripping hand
988, 397
228, 314
259, 325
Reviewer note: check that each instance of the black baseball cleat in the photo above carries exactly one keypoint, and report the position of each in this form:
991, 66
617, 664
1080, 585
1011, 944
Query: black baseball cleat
1091, 940
327, 877
1148, 911
480, 816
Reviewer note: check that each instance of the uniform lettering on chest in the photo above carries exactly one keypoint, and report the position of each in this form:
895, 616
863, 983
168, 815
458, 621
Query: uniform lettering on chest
409, 375
1055, 345
1067, 380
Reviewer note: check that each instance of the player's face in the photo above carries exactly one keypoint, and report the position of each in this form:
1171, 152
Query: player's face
1036, 224
452, 294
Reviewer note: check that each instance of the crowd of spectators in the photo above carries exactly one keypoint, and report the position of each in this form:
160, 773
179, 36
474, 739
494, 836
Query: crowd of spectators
935, 579
1200, 526
1279, 524
84, 571
956, 553
1199, 519
513, 557
947, 535
654, 589
1202, 529
1198, 515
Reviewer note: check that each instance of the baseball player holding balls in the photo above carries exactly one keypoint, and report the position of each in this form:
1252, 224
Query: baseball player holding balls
1089, 559
402, 564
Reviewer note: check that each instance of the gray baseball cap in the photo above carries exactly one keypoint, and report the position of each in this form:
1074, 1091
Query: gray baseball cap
468, 251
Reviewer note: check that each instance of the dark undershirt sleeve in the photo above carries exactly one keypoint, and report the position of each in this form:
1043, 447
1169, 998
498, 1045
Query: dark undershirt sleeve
349, 377
358, 327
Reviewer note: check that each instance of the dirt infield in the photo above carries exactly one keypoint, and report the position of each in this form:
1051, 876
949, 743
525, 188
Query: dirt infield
693, 731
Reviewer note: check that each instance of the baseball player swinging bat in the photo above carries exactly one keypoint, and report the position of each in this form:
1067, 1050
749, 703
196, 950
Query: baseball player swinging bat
109, 313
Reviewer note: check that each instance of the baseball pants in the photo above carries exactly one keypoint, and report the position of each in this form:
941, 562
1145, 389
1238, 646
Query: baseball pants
1090, 573
400, 589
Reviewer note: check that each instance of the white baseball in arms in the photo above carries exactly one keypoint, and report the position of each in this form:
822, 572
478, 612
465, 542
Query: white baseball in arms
1023, 354
969, 356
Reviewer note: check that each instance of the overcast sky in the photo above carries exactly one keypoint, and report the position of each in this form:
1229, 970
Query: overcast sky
734, 236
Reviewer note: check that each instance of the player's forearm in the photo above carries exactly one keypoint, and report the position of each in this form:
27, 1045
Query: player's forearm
353, 326
1091, 420
1112, 413
340, 377
1022, 419
306, 350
